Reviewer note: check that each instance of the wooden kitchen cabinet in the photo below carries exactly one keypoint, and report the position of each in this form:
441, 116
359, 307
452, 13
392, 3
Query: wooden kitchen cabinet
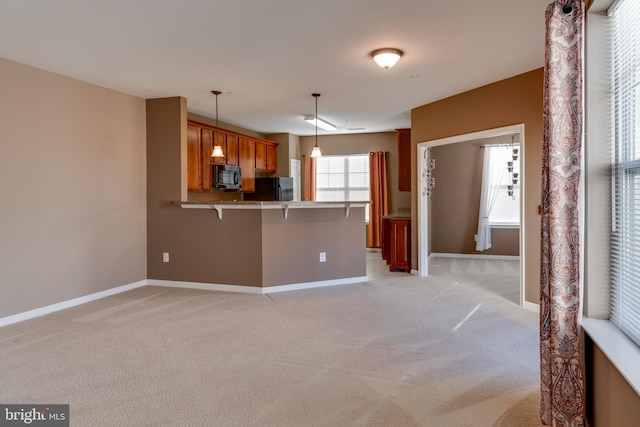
404, 159
396, 243
247, 160
248, 152
199, 146
231, 150
266, 156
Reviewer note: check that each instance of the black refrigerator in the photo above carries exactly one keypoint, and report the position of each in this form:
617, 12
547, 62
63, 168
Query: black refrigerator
272, 188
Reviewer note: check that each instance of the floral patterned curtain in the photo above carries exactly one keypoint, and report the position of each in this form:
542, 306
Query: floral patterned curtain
562, 386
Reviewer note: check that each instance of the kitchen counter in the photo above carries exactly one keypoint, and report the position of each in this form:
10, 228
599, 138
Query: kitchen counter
220, 206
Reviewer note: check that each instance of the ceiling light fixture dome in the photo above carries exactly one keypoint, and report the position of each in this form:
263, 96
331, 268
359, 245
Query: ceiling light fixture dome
386, 57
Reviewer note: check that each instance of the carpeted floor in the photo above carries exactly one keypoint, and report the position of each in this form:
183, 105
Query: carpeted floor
452, 349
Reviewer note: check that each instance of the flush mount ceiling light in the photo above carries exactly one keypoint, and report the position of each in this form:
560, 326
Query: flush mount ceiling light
387, 57
217, 149
319, 122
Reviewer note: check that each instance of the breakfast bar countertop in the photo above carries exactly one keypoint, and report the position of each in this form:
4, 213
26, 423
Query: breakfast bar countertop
221, 205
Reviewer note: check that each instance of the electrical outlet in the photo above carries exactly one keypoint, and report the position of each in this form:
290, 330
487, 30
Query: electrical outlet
323, 257
165, 257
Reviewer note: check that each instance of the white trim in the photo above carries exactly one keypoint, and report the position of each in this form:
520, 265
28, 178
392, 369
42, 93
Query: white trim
5, 321
205, 286
504, 225
475, 256
256, 289
423, 204
531, 306
68, 304
623, 353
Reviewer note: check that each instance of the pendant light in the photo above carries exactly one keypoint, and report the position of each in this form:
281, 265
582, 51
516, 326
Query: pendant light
316, 150
217, 149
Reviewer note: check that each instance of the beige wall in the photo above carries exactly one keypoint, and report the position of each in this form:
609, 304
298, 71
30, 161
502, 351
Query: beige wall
399, 201
72, 183
455, 202
507, 102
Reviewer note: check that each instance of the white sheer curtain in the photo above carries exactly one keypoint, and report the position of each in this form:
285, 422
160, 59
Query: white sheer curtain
493, 170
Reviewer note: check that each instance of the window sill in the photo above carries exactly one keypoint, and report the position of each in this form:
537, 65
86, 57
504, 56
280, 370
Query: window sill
623, 353
503, 225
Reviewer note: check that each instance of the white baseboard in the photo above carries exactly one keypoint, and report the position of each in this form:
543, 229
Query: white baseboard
531, 306
174, 284
476, 256
68, 304
256, 289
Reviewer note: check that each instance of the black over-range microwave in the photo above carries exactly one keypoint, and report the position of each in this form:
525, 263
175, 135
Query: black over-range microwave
227, 177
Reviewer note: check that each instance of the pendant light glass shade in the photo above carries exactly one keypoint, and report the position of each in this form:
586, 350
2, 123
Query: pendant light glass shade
316, 150
217, 149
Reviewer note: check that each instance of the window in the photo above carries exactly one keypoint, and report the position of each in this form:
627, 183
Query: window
625, 236
506, 210
341, 178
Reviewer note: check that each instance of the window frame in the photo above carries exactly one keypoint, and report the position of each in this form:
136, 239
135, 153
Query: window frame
621, 351
346, 188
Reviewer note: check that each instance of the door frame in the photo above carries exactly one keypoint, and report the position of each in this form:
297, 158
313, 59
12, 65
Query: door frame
423, 201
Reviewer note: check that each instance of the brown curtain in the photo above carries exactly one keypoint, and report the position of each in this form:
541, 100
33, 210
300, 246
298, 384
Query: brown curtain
379, 198
562, 385
309, 178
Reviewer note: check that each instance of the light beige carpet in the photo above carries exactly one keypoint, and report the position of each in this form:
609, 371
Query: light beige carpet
448, 350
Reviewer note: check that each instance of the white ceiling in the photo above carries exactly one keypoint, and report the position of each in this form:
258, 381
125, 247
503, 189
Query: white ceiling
268, 56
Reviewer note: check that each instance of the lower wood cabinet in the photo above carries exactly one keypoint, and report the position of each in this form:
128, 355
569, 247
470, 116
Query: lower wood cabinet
396, 243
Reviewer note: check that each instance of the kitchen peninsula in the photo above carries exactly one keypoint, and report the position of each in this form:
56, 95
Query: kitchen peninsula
291, 245
241, 246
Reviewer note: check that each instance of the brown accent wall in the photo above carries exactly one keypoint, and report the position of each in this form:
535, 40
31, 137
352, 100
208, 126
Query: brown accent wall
201, 248
72, 181
291, 247
610, 400
508, 102
455, 202
399, 201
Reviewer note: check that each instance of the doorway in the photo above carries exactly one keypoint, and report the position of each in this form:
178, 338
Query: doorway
424, 219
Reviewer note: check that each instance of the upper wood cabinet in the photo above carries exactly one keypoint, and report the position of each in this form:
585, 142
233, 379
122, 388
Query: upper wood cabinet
404, 159
241, 150
266, 159
231, 151
199, 146
247, 159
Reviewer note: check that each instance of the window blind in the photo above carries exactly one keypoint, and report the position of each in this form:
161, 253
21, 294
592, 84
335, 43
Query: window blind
625, 238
